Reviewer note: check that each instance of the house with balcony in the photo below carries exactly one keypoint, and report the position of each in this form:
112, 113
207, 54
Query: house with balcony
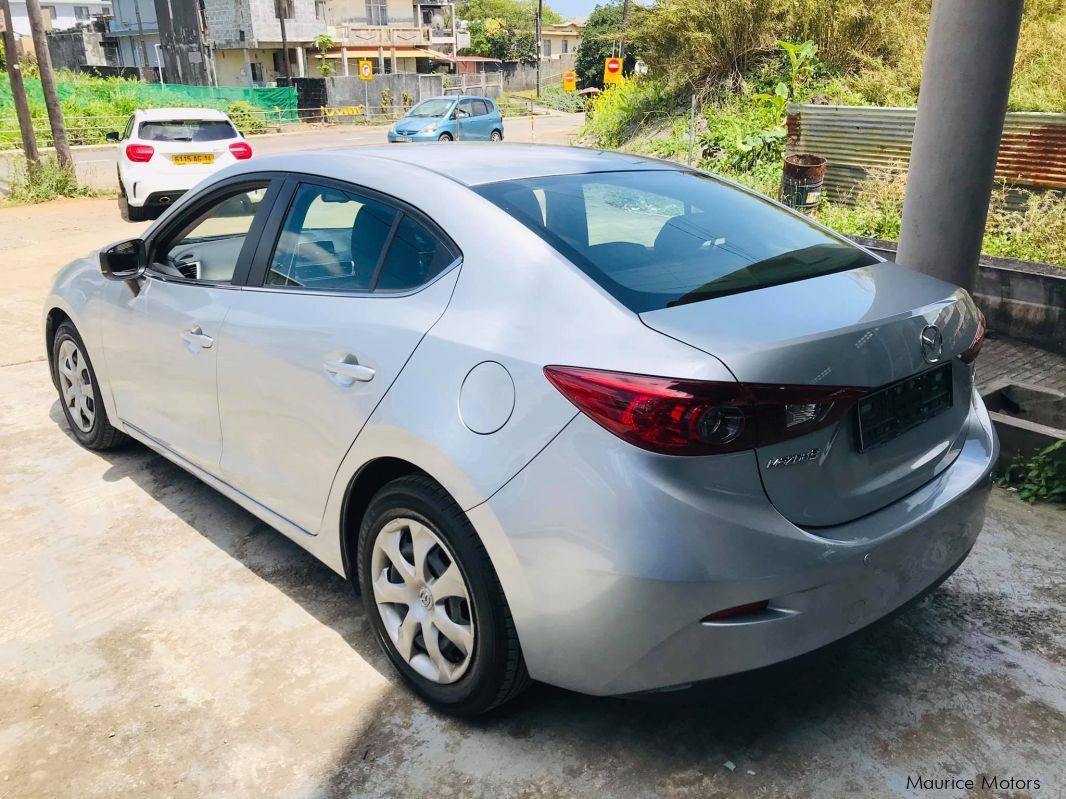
562, 39
134, 28
397, 35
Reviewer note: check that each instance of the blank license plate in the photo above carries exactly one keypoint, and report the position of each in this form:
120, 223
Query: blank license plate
403, 138
194, 158
894, 410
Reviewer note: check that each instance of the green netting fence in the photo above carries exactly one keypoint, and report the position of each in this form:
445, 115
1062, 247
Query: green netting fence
94, 106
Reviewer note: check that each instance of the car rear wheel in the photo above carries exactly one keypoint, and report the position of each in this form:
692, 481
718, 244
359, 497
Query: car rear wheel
79, 392
496, 136
444, 137
435, 601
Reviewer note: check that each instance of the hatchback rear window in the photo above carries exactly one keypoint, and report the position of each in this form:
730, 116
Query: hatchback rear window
655, 239
195, 130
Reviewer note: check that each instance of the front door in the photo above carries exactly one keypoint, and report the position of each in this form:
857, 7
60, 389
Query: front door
344, 296
162, 345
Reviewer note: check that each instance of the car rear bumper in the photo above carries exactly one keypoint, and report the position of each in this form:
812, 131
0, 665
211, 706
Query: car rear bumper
610, 558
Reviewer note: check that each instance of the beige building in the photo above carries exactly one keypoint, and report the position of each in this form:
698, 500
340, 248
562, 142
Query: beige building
563, 38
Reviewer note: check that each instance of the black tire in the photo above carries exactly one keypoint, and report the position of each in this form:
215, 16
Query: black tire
101, 435
444, 137
131, 213
497, 671
496, 135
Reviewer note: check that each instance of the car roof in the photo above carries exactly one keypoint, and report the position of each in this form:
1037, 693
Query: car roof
457, 97
168, 114
475, 163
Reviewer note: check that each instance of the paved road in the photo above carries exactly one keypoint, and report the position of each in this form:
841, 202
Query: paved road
157, 640
96, 165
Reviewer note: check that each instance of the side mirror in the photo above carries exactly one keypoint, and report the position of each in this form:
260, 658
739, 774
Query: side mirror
124, 261
112, 136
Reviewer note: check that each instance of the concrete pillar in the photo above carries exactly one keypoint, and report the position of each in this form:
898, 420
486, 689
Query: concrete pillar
247, 66
381, 60
392, 58
969, 57
301, 62
344, 61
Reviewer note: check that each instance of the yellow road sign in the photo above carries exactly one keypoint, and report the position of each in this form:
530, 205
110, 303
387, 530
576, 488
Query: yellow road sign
366, 70
612, 70
570, 81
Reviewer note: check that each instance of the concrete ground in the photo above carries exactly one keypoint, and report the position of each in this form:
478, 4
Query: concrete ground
95, 165
157, 640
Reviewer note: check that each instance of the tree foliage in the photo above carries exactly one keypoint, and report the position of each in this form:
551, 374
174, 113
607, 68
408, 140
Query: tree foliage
598, 42
515, 15
493, 39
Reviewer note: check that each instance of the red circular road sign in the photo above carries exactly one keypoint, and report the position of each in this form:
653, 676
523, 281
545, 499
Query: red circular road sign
614, 64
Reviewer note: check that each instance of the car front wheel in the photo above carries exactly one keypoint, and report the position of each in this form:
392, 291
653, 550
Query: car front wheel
435, 601
444, 137
79, 391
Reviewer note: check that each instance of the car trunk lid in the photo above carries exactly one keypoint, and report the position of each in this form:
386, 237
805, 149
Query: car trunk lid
860, 328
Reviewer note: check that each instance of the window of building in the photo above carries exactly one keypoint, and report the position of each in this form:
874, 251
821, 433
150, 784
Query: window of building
81, 13
320, 9
547, 48
377, 12
257, 72
566, 45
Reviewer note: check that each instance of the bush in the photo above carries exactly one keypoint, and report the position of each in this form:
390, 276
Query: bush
877, 211
623, 110
561, 100
246, 117
45, 182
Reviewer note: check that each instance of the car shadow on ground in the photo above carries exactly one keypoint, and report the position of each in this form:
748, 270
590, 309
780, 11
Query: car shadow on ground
759, 713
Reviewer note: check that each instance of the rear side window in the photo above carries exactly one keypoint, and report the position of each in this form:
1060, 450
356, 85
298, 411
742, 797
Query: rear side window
481, 108
336, 240
187, 130
415, 257
655, 239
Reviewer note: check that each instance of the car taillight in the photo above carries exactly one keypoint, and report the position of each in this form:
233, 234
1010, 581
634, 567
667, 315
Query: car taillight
697, 417
971, 352
141, 153
241, 150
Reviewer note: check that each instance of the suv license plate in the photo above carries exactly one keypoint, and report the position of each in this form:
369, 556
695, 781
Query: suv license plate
895, 409
195, 158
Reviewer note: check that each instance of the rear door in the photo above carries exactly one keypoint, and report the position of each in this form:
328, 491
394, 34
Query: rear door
470, 123
345, 284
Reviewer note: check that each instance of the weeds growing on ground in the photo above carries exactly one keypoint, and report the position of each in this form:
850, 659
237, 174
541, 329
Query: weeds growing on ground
46, 181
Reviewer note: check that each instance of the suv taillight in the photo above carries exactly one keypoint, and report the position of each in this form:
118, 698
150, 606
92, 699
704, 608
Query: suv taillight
971, 352
241, 150
141, 153
697, 417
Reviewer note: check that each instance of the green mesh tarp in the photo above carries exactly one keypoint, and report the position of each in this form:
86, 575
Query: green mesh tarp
93, 106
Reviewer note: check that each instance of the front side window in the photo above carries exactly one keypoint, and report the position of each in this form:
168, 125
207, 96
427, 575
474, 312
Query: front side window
434, 108
658, 238
187, 130
335, 240
206, 247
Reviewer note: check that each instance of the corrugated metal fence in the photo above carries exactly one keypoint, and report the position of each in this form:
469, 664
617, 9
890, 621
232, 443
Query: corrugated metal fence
855, 139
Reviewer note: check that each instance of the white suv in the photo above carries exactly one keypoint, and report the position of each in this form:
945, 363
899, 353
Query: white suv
164, 152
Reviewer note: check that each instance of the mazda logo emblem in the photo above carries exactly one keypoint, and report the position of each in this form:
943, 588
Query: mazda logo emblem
932, 344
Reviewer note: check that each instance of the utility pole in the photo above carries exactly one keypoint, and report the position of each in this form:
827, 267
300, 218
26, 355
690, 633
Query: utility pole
140, 34
18, 88
969, 57
48, 86
540, 40
281, 8
622, 37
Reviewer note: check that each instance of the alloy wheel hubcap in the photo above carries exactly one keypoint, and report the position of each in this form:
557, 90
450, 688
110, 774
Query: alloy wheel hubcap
423, 600
76, 385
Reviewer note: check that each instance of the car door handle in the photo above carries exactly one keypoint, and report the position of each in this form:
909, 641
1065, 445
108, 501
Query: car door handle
344, 372
196, 338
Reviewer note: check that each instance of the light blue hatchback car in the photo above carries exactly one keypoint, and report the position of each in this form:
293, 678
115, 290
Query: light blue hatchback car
459, 118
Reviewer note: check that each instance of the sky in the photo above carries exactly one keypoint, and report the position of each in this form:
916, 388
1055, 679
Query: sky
573, 8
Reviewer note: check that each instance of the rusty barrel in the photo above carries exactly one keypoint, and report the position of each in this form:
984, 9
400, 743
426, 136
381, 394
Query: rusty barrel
801, 181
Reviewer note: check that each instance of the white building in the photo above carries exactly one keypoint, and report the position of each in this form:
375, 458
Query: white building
57, 16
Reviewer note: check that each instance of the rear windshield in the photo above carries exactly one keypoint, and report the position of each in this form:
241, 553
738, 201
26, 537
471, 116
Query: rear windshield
655, 239
187, 130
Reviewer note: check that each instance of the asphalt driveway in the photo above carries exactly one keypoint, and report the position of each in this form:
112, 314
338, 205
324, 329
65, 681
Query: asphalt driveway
157, 640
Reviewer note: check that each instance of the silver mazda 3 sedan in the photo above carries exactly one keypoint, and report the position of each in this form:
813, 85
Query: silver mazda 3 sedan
559, 414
